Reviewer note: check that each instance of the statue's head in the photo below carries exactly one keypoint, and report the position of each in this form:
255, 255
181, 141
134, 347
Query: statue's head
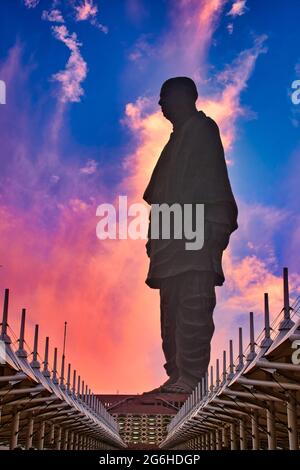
178, 96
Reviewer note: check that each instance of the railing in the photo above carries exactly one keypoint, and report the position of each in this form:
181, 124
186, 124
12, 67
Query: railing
213, 386
74, 405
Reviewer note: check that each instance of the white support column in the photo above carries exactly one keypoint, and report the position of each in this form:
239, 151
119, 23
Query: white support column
207, 441
233, 439
58, 439
71, 441
292, 422
66, 436
76, 442
41, 435
212, 440
243, 440
52, 436
14, 430
29, 433
218, 439
224, 437
254, 427
271, 426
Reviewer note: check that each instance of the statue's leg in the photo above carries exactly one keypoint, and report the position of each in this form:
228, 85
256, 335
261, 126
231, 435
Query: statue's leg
168, 310
195, 326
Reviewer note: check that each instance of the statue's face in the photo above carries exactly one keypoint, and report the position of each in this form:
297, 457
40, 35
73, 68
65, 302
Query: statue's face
173, 102
170, 102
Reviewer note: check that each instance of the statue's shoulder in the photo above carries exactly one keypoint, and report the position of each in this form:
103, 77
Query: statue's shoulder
203, 124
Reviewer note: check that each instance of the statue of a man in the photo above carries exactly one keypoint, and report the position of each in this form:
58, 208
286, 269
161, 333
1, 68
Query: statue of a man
190, 170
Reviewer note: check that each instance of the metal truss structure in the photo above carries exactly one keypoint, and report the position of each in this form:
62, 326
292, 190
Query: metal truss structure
255, 402
41, 410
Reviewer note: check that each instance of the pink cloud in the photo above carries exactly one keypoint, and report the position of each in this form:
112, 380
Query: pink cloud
54, 16
75, 71
89, 168
31, 3
238, 8
85, 10
88, 11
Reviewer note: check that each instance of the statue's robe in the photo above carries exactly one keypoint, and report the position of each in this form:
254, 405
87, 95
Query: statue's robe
192, 170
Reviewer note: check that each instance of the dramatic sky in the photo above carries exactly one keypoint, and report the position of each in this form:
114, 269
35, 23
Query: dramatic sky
81, 126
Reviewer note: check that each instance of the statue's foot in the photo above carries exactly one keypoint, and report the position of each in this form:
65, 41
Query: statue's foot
162, 388
180, 386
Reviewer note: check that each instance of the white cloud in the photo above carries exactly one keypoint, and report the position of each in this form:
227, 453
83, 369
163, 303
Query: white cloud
86, 10
76, 68
31, 3
54, 16
238, 8
89, 168
230, 28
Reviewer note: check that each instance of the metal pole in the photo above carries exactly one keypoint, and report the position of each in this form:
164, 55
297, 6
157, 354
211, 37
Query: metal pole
35, 363
286, 323
4, 336
21, 351
231, 364
267, 341
54, 372
241, 354
224, 366
252, 353
217, 373
46, 372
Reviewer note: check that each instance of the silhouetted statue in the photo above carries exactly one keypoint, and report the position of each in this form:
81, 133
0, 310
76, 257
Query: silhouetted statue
190, 170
